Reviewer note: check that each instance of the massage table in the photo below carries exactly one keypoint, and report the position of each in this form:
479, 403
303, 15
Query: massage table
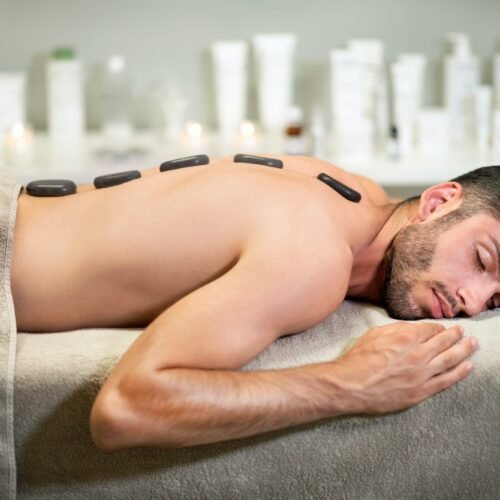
447, 447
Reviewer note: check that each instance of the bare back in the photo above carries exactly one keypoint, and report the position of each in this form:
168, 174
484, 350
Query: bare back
120, 256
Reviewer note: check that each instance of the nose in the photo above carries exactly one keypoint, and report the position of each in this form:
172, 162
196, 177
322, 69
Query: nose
474, 299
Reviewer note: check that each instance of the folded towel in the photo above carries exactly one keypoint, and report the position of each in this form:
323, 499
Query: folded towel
9, 191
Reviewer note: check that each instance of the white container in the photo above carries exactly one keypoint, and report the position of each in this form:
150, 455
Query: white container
370, 53
274, 54
433, 131
461, 77
354, 142
407, 80
496, 131
116, 103
496, 80
483, 116
230, 72
346, 87
12, 100
317, 146
65, 101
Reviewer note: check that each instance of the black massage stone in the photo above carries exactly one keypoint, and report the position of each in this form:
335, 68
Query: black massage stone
51, 187
104, 181
189, 161
258, 160
342, 189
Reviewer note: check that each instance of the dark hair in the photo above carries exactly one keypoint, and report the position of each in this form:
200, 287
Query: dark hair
481, 189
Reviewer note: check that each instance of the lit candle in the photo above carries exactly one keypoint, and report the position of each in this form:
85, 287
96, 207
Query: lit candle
194, 137
18, 145
248, 136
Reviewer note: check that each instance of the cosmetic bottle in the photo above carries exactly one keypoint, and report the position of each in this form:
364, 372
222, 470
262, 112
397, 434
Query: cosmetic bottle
346, 87
12, 100
461, 77
433, 131
274, 54
496, 80
230, 72
393, 144
483, 117
371, 56
65, 101
317, 134
294, 132
407, 78
116, 103
496, 131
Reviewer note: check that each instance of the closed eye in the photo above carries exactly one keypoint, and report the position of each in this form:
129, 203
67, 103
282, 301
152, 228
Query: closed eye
479, 262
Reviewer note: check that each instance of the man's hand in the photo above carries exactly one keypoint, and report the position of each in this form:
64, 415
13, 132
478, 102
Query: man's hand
393, 367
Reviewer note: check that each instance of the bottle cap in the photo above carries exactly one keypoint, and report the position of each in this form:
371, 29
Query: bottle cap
63, 53
460, 45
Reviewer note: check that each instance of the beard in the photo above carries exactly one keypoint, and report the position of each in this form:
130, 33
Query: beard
407, 260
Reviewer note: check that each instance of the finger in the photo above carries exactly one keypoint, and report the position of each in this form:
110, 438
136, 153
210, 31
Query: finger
428, 330
444, 340
453, 356
447, 379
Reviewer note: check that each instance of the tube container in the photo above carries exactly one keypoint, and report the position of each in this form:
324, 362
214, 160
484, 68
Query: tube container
230, 74
66, 114
461, 77
274, 54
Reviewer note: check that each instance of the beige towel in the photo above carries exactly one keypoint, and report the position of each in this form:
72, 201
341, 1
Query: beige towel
445, 448
9, 191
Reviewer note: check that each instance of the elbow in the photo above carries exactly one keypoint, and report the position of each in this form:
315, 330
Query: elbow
124, 415
107, 423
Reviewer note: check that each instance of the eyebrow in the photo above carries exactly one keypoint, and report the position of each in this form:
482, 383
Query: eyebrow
496, 244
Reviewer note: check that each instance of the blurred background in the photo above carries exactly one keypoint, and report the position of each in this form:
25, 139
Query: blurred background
379, 87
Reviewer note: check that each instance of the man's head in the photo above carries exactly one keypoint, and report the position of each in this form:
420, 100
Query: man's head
445, 260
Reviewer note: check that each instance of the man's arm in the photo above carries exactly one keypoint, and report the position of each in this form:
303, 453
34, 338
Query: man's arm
177, 384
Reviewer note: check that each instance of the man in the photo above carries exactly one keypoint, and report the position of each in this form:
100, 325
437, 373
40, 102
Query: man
218, 261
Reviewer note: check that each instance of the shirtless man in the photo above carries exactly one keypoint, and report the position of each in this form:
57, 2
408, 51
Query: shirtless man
218, 261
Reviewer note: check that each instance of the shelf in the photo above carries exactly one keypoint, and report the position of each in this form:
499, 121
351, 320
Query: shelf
85, 160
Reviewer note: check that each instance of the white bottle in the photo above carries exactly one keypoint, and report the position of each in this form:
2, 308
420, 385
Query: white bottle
116, 103
274, 57
318, 134
461, 77
230, 72
496, 80
496, 131
66, 114
483, 116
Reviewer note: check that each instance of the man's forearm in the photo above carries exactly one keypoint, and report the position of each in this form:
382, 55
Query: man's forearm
390, 368
185, 407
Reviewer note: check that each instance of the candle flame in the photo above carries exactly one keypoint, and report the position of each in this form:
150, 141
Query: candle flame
18, 130
247, 129
194, 130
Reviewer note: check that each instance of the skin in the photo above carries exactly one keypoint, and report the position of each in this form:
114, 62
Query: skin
216, 263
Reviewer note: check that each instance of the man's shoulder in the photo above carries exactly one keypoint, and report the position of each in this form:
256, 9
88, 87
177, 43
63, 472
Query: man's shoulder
309, 273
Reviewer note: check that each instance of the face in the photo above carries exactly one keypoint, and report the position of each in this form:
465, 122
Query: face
432, 272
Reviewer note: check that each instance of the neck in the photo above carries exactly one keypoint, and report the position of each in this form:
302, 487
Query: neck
368, 271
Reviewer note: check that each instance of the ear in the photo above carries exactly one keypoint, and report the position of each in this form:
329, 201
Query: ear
439, 200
